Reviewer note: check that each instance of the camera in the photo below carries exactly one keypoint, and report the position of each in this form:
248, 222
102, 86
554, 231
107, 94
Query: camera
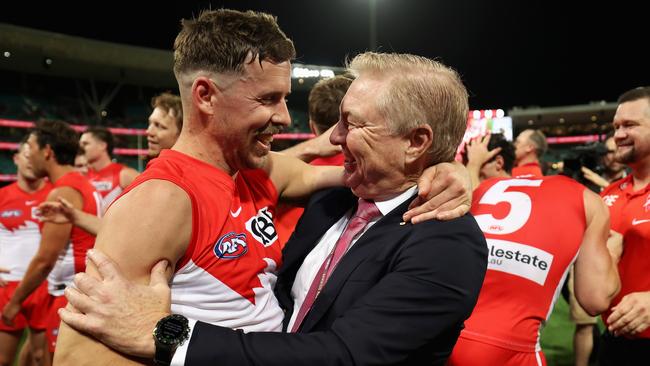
590, 156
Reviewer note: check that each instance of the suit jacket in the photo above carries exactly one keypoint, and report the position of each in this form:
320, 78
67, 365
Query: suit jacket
398, 297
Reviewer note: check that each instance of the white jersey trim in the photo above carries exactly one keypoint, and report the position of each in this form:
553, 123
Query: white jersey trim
198, 295
17, 248
63, 272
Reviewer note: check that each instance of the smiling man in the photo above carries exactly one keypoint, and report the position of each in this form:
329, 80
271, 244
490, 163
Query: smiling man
352, 266
165, 123
211, 198
627, 339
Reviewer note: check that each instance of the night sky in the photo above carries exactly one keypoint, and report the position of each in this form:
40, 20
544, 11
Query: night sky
512, 53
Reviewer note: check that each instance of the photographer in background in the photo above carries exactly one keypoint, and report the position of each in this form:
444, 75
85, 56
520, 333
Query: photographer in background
587, 157
612, 170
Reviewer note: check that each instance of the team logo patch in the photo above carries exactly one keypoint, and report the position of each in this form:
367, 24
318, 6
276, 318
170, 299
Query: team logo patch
103, 186
262, 228
610, 199
36, 213
231, 246
646, 205
10, 213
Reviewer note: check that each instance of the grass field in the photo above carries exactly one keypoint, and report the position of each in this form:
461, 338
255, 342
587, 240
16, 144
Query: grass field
557, 336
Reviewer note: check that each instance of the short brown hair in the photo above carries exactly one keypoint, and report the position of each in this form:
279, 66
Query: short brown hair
421, 91
324, 100
103, 134
221, 40
642, 92
63, 140
171, 104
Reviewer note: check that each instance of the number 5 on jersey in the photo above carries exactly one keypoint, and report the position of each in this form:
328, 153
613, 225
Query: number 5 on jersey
520, 206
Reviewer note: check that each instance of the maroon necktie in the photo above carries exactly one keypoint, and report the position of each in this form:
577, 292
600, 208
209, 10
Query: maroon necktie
366, 211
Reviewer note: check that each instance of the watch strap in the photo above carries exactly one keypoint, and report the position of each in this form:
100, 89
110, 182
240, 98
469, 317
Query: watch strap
164, 354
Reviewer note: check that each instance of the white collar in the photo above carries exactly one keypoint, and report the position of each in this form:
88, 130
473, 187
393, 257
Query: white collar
390, 204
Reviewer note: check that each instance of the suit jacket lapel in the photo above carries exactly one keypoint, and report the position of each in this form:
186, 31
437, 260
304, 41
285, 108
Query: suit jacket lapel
325, 209
317, 219
370, 242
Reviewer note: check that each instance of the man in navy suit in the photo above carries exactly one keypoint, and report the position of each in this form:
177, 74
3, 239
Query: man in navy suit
358, 285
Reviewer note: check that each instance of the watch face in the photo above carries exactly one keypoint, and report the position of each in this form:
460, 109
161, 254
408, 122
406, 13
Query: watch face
172, 330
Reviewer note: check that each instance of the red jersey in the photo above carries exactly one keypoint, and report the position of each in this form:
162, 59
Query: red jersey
534, 228
530, 170
73, 258
19, 228
227, 274
107, 182
630, 216
288, 215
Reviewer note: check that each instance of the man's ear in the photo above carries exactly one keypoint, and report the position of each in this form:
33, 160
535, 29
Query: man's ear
204, 92
419, 142
313, 128
530, 147
48, 153
499, 162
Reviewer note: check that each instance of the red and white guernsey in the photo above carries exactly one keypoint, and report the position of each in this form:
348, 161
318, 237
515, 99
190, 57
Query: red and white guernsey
19, 228
534, 228
73, 258
228, 272
107, 182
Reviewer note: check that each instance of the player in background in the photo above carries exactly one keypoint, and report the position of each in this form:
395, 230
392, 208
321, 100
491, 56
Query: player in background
108, 178
19, 240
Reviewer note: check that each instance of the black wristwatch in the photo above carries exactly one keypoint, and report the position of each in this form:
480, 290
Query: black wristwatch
170, 332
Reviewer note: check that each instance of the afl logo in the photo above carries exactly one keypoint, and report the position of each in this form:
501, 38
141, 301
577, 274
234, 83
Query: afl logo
10, 213
231, 246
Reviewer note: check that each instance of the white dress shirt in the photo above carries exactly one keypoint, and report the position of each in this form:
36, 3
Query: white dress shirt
317, 256
313, 261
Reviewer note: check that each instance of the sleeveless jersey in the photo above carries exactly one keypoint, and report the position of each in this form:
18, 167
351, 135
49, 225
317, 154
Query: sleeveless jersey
227, 274
630, 216
73, 258
107, 182
534, 228
19, 228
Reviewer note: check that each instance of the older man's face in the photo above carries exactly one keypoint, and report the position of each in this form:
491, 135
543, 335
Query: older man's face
374, 157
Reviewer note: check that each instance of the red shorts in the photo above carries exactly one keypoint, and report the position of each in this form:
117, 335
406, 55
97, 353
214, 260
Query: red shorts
54, 304
33, 313
469, 352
